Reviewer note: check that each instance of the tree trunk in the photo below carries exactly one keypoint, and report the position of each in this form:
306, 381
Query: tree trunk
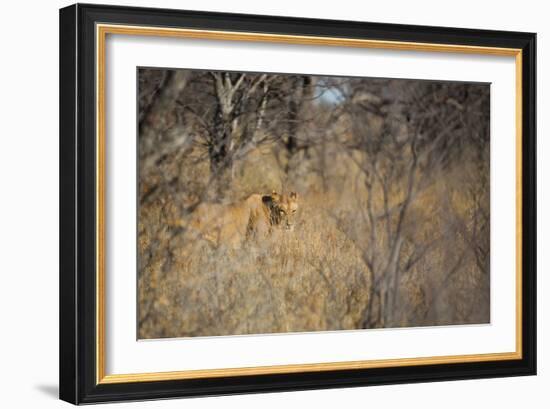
158, 116
304, 89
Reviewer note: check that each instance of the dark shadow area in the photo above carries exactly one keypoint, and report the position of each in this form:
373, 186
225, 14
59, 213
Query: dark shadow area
49, 390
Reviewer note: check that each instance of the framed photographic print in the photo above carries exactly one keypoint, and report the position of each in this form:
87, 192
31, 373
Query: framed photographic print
257, 203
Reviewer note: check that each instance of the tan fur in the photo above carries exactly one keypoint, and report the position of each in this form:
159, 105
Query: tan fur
254, 217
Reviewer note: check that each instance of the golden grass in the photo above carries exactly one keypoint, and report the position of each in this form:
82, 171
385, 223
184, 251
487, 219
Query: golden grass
311, 279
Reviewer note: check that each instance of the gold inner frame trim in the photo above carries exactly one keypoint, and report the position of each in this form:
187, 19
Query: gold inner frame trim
101, 33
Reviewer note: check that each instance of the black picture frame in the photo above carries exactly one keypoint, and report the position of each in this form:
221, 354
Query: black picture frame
78, 235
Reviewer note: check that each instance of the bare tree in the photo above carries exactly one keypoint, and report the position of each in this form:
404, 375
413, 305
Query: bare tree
229, 112
300, 97
397, 162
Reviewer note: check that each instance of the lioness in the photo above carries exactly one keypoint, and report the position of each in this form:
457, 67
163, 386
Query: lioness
256, 216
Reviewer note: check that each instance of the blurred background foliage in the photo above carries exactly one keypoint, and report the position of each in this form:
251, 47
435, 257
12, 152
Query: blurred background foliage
393, 177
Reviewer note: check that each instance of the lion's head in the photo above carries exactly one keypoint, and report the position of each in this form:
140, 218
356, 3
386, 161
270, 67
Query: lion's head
283, 208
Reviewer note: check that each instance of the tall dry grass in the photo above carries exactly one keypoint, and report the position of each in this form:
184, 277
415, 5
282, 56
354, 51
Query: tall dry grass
315, 277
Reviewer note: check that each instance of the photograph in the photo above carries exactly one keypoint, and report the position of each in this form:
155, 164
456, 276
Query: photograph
255, 201
282, 203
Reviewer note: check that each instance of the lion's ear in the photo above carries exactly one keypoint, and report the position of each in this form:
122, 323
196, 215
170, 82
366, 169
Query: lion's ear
275, 196
293, 195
